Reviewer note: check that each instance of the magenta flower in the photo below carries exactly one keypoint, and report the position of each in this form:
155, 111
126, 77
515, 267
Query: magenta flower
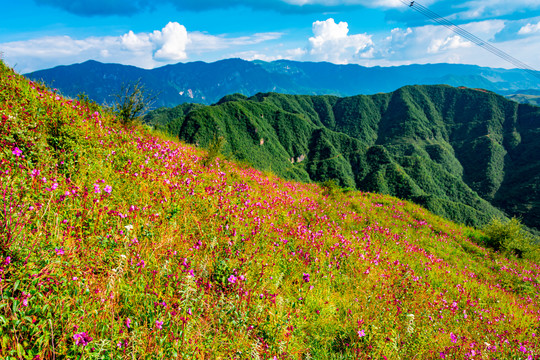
305, 277
97, 190
159, 324
16, 151
35, 173
82, 339
232, 279
108, 189
128, 322
453, 338
361, 333
59, 251
7, 261
24, 298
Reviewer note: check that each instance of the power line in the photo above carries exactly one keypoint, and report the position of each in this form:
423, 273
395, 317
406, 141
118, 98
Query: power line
472, 38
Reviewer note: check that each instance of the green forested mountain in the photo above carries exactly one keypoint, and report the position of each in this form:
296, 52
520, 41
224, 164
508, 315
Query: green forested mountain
463, 153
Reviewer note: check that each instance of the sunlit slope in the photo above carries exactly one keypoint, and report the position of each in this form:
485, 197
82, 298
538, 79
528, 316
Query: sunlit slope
465, 154
120, 244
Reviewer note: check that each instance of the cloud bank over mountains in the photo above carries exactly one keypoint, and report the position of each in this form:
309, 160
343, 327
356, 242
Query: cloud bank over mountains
331, 38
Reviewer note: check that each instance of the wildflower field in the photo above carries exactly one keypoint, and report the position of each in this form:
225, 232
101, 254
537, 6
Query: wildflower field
121, 243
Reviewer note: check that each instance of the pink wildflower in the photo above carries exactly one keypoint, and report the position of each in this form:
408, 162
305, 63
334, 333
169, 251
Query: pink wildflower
361, 333
16, 151
108, 189
232, 279
59, 251
159, 324
82, 339
453, 338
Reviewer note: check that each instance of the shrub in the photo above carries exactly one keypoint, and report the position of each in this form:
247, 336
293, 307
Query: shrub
132, 102
508, 236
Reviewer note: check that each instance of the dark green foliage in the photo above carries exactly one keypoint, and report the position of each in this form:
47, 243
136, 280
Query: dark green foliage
469, 155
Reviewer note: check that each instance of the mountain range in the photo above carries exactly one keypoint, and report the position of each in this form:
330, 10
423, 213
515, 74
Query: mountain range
206, 83
466, 154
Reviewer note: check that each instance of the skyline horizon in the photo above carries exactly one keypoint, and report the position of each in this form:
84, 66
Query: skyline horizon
40, 34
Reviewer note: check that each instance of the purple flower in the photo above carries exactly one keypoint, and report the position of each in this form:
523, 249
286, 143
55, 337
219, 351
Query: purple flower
232, 279
97, 190
159, 324
453, 338
305, 277
82, 339
128, 322
16, 151
108, 189
59, 251
35, 173
361, 333
25, 297
7, 261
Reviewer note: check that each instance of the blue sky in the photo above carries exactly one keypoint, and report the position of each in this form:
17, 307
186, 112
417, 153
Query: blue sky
38, 34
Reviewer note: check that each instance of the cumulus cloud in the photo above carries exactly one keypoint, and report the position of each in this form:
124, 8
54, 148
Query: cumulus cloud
172, 42
449, 43
529, 29
332, 42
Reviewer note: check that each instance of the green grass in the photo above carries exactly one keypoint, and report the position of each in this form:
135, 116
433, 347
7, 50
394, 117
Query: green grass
120, 243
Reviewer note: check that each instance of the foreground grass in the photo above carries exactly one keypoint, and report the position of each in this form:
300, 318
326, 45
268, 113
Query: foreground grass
119, 244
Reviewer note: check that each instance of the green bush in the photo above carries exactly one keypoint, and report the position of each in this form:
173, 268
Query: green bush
509, 236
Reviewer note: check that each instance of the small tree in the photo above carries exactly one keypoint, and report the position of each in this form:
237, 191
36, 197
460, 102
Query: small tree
132, 102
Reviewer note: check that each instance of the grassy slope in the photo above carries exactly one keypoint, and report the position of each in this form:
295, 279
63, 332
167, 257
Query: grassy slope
460, 152
123, 241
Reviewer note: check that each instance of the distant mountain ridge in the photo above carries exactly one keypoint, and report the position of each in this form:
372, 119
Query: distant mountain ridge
206, 83
465, 154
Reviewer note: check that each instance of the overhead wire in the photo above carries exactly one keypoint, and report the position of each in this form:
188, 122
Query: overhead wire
470, 37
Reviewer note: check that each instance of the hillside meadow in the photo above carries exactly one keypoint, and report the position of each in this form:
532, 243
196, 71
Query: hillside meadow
465, 154
120, 243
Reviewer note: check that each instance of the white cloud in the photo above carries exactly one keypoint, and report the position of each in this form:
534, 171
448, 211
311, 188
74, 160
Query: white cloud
450, 43
133, 42
171, 44
529, 29
331, 42
172, 41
